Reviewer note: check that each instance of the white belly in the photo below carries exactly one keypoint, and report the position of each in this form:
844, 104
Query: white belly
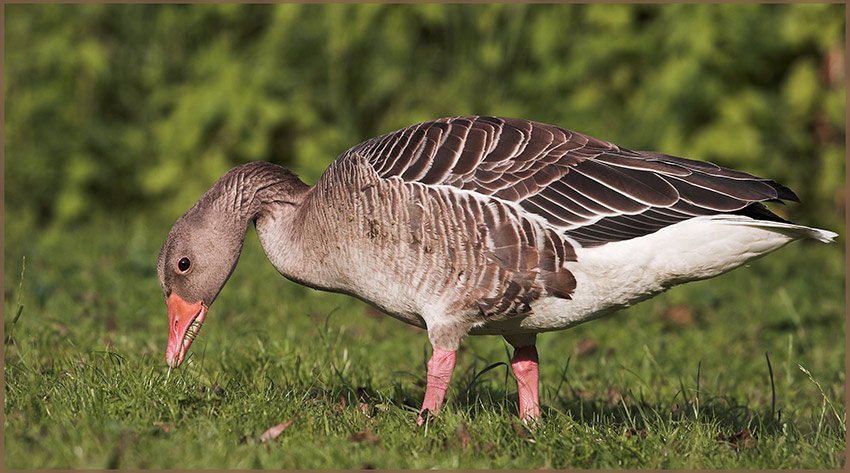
617, 275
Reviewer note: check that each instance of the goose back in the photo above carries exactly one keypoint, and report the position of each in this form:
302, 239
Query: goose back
592, 190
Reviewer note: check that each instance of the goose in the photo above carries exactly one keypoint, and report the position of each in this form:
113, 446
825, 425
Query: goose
478, 225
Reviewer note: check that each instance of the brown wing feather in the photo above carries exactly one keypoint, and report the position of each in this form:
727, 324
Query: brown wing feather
589, 189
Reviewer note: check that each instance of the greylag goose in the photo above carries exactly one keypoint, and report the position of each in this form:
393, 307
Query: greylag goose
478, 225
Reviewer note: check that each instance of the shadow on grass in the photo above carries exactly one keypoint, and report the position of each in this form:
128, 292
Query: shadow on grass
476, 397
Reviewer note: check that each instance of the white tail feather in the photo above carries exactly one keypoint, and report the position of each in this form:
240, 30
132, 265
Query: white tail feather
790, 229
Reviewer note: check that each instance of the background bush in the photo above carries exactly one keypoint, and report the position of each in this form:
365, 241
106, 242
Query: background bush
136, 109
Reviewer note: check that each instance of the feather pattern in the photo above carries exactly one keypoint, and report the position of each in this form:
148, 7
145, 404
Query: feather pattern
590, 190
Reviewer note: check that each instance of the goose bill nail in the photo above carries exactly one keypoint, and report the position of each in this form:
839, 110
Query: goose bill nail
184, 322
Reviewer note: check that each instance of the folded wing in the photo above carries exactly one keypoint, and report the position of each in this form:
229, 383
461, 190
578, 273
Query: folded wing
590, 189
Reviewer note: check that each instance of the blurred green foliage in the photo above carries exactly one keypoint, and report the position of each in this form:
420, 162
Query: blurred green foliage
137, 109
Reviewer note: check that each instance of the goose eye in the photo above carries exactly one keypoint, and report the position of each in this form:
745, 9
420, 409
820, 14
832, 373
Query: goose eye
184, 264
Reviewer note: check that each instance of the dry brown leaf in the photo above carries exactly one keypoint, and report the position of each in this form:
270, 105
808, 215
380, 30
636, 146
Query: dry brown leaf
275, 431
586, 347
522, 431
165, 426
739, 440
614, 396
679, 314
636, 433
462, 434
489, 449
363, 436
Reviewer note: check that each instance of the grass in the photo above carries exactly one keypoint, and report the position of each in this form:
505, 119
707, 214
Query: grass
681, 381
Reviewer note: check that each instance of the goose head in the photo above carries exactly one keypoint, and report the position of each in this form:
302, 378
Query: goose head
201, 251
195, 262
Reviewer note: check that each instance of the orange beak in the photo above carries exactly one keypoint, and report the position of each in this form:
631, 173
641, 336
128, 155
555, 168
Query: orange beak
184, 323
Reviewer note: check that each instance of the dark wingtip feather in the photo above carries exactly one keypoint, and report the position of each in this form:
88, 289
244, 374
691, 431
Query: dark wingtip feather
759, 211
783, 192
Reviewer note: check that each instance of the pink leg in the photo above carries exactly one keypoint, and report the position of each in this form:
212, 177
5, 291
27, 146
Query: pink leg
440, 368
524, 364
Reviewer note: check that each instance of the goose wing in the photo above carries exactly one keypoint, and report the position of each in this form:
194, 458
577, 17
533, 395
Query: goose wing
594, 191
